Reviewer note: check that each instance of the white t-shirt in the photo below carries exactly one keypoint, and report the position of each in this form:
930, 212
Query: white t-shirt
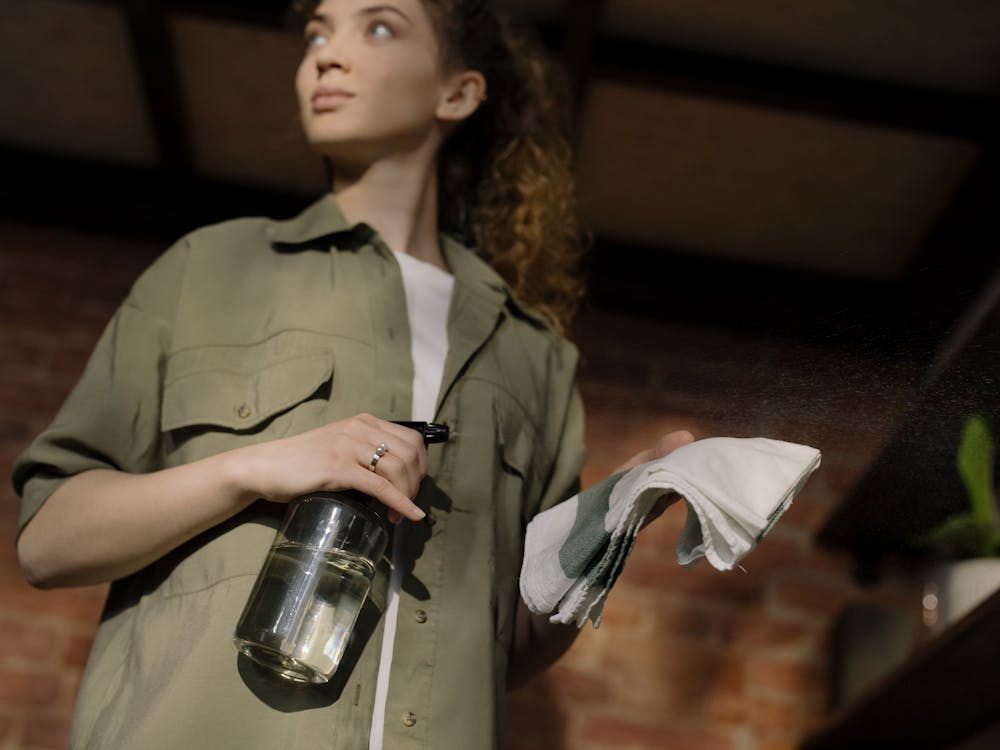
428, 298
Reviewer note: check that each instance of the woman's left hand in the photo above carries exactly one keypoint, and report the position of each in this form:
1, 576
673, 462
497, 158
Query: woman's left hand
667, 443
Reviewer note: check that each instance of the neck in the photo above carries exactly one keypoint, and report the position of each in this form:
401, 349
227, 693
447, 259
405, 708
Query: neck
398, 196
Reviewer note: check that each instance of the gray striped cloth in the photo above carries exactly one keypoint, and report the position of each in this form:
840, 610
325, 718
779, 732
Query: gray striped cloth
736, 489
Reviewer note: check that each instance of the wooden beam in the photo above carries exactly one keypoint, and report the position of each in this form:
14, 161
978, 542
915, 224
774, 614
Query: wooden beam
581, 30
680, 285
119, 199
154, 55
939, 697
962, 251
812, 92
267, 13
97, 196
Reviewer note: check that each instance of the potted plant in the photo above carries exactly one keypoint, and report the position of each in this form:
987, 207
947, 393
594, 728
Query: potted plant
967, 542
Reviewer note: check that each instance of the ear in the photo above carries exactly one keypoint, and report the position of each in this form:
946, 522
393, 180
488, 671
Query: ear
461, 96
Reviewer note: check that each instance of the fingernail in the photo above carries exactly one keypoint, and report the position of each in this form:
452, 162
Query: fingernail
418, 513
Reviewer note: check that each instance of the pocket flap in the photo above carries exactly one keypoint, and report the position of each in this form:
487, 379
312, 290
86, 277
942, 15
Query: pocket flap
516, 437
239, 387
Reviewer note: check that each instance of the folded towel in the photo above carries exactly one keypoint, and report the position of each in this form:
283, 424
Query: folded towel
735, 488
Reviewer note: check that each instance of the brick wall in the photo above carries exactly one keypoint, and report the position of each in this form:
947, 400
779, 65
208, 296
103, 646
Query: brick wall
684, 658
695, 658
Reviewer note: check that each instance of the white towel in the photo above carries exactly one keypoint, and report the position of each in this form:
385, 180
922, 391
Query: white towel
736, 490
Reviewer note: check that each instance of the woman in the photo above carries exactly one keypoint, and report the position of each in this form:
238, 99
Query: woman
244, 369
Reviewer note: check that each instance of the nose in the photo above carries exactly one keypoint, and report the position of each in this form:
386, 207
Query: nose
331, 55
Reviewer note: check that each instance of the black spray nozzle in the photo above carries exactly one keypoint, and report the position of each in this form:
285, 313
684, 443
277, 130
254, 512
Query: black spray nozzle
433, 432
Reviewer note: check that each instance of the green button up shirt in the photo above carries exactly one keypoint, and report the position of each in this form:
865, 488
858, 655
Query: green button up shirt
256, 329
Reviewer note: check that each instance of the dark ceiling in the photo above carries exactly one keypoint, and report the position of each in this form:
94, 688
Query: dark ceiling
821, 171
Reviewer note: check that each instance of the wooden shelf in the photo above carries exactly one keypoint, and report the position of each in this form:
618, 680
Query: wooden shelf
946, 692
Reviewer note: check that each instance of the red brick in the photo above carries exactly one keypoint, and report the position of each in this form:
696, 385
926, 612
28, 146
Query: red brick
775, 744
778, 551
14, 430
689, 620
727, 699
9, 513
663, 677
575, 684
46, 734
627, 612
665, 575
612, 732
81, 606
754, 631
809, 512
533, 721
8, 728
34, 689
812, 594
44, 397
78, 651
27, 641
793, 678
774, 716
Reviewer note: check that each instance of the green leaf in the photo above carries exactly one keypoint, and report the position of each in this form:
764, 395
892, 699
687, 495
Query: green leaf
975, 466
964, 536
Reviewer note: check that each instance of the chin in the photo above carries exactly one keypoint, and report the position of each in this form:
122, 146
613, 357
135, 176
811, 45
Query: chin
352, 148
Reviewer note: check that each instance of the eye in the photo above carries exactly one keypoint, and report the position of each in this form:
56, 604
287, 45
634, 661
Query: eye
314, 36
380, 30
315, 39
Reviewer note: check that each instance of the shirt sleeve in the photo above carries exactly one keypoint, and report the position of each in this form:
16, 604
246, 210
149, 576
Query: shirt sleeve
111, 418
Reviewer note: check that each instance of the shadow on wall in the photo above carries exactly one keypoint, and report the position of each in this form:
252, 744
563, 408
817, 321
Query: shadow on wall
534, 718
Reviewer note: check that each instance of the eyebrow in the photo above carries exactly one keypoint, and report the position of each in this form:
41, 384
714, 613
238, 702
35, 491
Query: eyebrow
368, 11
373, 9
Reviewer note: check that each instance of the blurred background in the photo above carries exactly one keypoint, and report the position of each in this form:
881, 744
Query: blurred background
794, 208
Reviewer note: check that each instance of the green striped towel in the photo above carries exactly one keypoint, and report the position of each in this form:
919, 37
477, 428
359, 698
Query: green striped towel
735, 489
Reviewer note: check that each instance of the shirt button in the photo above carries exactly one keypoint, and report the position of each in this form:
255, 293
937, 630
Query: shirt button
420, 616
243, 411
409, 719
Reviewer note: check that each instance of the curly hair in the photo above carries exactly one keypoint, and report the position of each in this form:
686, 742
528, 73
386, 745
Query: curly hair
505, 174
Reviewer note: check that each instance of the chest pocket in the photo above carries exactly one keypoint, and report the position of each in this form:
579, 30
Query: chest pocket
517, 444
244, 390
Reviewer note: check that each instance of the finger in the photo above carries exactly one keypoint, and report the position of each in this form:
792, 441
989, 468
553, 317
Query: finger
401, 473
366, 455
672, 441
403, 442
385, 492
639, 458
666, 444
409, 444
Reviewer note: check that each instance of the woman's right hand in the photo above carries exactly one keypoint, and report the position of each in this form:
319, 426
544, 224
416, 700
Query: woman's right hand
338, 456
92, 529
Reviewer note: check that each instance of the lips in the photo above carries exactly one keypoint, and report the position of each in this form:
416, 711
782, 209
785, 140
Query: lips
327, 98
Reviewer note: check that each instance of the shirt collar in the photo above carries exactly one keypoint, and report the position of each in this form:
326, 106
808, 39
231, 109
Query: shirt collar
325, 219
321, 219
479, 277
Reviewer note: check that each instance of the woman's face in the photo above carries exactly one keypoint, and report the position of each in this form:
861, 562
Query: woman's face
370, 82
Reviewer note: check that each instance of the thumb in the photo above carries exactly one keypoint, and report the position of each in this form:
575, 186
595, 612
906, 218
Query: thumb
672, 441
